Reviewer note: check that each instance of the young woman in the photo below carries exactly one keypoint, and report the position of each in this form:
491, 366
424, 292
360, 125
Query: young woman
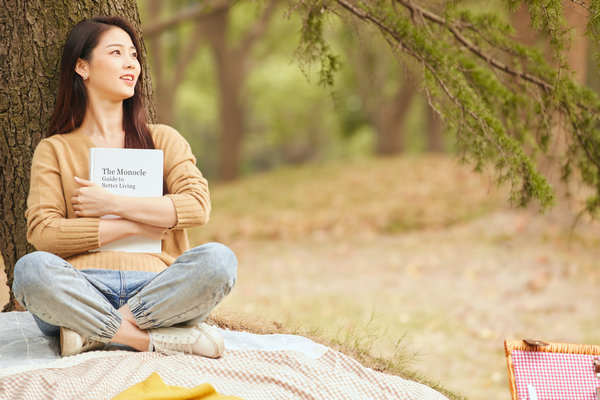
150, 302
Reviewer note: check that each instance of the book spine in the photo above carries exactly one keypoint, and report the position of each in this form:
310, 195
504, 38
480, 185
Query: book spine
91, 177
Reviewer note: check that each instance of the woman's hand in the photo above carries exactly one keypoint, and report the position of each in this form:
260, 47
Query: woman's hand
90, 200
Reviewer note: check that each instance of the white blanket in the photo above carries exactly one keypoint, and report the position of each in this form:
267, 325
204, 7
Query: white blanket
253, 367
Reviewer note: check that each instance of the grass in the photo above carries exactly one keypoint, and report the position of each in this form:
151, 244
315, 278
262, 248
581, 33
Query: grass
356, 343
334, 200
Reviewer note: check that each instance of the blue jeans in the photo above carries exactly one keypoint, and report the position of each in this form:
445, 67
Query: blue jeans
87, 300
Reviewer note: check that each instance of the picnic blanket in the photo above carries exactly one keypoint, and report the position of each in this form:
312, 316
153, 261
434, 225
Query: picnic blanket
253, 367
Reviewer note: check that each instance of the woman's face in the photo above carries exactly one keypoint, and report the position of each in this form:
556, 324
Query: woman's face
113, 68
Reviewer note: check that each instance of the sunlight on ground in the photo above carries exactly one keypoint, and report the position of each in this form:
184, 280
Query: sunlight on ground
450, 296
447, 290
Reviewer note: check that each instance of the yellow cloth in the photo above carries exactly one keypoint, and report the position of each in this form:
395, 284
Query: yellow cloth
54, 227
153, 388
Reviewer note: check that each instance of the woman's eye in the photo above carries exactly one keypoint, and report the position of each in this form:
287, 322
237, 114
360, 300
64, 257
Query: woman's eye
134, 55
116, 52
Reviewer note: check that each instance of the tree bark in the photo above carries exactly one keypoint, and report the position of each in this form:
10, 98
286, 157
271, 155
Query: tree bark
31, 43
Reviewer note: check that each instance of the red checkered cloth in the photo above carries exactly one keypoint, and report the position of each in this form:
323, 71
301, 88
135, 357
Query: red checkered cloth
555, 375
249, 374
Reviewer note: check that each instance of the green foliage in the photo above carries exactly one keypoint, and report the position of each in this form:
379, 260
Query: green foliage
313, 45
504, 104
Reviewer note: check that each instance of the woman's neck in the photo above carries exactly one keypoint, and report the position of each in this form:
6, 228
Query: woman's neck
103, 123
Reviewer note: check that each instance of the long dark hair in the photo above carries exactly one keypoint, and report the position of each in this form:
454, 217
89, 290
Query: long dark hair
71, 101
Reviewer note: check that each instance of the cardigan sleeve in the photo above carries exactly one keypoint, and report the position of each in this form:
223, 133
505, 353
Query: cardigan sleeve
48, 228
188, 189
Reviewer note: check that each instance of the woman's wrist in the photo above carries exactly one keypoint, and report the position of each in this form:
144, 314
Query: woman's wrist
155, 211
110, 230
116, 205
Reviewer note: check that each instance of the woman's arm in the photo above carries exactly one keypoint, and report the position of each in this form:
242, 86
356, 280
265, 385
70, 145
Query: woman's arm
110, 230
48, 227
90, 200
186, 205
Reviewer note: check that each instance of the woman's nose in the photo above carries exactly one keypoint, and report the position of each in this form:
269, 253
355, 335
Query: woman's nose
130, 62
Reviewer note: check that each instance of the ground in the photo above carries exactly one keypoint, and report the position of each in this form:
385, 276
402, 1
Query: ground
418, 259
451, 296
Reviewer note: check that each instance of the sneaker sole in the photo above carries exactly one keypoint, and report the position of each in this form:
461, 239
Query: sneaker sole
217, 344
66, 336
63, 334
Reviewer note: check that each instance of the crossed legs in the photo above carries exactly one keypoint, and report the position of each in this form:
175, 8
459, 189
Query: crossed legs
59, 295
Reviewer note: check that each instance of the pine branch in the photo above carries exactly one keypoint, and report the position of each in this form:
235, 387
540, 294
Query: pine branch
381, 25
501, 109
454, 29
581, 3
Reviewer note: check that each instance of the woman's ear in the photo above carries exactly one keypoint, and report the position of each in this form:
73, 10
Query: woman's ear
82, 68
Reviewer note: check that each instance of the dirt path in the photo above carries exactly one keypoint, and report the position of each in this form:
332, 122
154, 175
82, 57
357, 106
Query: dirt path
455, 294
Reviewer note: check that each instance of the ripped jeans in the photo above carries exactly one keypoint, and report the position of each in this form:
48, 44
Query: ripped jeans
87, 300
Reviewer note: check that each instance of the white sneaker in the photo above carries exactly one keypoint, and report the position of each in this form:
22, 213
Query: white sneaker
72, 343
200, 339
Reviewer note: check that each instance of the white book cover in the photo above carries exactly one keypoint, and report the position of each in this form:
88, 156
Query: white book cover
128, 172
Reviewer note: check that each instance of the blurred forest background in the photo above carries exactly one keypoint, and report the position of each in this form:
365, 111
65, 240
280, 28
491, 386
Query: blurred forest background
226, 76
348, 205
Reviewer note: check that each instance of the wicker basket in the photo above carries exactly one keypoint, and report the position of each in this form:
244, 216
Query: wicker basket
543, 371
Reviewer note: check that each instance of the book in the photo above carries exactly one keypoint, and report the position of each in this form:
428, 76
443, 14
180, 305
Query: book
128, 172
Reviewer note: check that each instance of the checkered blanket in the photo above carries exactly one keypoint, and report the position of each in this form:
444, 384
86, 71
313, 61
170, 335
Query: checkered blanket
253, 367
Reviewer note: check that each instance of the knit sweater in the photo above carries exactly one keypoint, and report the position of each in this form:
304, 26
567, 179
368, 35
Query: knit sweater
54, 227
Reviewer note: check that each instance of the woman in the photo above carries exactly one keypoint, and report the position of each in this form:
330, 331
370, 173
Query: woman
150, 302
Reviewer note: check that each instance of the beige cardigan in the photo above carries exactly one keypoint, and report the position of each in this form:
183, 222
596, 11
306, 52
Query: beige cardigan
54, 227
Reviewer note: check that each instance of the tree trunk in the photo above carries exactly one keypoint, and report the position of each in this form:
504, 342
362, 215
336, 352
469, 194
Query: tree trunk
389, 120
211, 20
31, 44
168, 72
577, 18
385, 109
231, 74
